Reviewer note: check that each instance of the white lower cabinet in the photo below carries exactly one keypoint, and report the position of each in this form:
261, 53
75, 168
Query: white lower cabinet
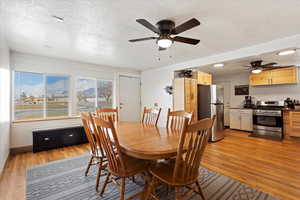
235, 119
241, 119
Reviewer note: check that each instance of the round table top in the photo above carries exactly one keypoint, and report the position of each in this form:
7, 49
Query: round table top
147, 141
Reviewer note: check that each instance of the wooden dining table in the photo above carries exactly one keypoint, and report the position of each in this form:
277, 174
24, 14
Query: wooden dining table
147, 141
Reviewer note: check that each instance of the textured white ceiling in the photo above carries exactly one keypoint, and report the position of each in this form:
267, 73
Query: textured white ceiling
97, 31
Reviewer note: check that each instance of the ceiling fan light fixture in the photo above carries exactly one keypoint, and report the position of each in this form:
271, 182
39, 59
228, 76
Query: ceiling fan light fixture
164, 42
287, 52
256, 71
219, 65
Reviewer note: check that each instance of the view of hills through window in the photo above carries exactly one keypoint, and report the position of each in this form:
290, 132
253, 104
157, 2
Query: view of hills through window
104, 93
87, 94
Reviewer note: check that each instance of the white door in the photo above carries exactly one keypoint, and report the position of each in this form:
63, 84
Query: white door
130, 98
235, 119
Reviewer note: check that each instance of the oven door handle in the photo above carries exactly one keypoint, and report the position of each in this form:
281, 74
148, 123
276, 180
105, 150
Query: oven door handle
268, 114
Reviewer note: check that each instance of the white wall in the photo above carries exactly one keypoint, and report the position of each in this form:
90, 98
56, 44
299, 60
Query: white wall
21, 133
274, 92
154, 80
153, 84
4, 99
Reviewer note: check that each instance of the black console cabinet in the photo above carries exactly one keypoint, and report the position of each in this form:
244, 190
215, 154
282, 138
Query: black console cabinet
56, 138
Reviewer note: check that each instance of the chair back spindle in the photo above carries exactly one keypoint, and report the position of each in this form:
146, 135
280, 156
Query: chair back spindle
176, 119
104, 113
151, 116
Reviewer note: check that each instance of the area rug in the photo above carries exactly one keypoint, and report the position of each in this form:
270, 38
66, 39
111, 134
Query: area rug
65, 180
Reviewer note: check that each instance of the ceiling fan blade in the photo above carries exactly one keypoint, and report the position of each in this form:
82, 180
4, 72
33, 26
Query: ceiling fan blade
148, 25
186, 40
247, 66
161, 49
277, 67
269, 64
143, 39
186, 26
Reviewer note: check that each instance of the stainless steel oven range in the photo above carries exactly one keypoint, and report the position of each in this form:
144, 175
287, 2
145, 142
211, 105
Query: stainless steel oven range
268, 120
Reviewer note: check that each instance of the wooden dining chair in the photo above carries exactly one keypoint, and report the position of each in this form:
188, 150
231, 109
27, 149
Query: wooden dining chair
151, 116
176, 119
120, 165
97, 154
184, 172
104, 113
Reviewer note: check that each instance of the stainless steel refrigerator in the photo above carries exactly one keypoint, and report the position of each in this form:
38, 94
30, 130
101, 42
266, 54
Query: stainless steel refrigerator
210, 103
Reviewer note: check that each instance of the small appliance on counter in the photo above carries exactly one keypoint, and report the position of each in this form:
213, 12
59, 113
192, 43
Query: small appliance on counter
268, 120
292, 104
210, 103
248, 103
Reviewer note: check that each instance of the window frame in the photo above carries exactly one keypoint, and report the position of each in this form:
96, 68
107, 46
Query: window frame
44, 75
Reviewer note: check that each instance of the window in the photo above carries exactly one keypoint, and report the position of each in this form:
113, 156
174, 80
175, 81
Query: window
57, 96
29, 95
38, 96
104, 94
42, 96
86, 95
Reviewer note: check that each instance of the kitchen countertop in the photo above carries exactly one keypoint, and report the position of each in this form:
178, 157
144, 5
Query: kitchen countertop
289, 109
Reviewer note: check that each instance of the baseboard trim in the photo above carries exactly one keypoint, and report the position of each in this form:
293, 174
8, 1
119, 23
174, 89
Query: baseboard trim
18, 150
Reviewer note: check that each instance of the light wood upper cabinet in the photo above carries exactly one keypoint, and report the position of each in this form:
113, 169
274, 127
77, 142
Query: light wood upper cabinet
276, 76
284, 75
262, 78
203, 78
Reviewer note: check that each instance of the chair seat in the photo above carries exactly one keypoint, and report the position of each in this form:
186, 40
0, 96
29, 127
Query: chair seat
164, 172
133, 166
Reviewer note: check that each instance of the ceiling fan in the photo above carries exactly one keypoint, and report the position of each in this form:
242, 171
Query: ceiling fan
257, 66
165, 29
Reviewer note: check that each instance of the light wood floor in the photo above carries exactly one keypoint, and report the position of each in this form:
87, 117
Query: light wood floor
271, 166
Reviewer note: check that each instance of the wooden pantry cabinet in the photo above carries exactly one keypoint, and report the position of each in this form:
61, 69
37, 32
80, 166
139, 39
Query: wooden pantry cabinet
274, 77
185, 95
202, 78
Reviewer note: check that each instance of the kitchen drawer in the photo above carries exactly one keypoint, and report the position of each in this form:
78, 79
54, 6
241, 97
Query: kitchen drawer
295, 124
295, 116
294, 132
